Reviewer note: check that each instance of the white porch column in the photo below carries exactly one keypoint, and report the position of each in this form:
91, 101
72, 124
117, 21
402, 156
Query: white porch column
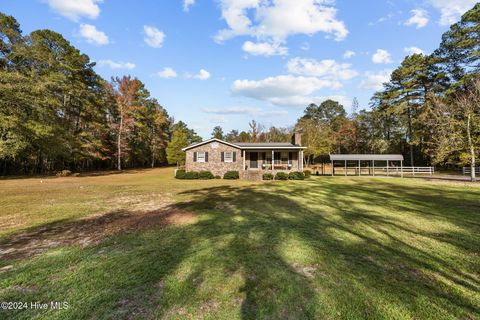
244, 155
300, 160
273, 159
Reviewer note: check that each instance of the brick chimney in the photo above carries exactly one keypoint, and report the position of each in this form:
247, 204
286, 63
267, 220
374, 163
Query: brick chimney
297, 139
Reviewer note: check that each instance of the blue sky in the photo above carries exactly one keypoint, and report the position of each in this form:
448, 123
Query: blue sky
225, 62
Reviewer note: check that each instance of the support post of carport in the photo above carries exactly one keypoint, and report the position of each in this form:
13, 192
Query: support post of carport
359, 168
374, 168
401, 168
273, 159
387, 169
333, 171
345, 167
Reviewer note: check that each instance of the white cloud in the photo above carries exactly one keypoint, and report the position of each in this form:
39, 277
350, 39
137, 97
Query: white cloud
348, 54
419, 18
92, 35
253, 112
329, 69
264, 49
187, 4
381, 56
167, 73
451, 10
375, 80
116, 65
413, 50
75, 9
201, 75
153, 37
285, 90
217, 119
305, 46
381, 19
278, 19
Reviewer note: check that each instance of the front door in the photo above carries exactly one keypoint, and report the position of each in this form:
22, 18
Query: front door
254, 160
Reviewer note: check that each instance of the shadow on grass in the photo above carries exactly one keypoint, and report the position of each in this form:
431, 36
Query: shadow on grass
277, 251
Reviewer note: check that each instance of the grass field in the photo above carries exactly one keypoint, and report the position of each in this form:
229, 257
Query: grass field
143, 245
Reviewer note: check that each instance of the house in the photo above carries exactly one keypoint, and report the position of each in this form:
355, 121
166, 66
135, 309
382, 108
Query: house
251, 160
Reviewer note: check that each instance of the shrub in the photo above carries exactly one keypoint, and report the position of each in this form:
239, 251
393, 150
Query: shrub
307, 173
267, 176
281, 176
231, 175
180, 174
204, 175
296, 175
64, 173
218, 177
191, 175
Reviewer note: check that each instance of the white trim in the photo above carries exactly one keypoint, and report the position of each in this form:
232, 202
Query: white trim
198, 156
225, 156
273, 148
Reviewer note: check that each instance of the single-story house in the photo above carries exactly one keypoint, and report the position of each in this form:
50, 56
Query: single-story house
251, 160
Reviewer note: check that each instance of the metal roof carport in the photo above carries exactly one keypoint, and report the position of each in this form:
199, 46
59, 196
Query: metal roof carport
367, 157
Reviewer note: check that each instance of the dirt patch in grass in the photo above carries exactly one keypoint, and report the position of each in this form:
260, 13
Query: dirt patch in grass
90, 231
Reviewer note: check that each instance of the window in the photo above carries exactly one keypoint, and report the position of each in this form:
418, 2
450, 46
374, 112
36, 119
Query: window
228, 156
200, 156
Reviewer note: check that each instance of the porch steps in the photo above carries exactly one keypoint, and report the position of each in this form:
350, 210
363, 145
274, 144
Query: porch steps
254, 175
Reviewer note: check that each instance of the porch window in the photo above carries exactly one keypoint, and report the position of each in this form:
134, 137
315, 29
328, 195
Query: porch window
228, 156
200, 156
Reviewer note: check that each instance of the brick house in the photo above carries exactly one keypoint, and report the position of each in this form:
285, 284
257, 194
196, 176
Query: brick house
251, 160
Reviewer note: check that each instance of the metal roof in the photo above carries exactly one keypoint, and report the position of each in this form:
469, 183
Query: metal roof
384, 157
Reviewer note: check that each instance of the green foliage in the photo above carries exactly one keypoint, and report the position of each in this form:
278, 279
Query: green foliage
218, 177
296, 175
182, 136
218, 133
180, 174
231, 175
281, 176
191, 175
205, 175
307, 173
267, 176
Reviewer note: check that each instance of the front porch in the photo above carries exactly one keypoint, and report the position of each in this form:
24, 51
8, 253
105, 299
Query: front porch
272, 160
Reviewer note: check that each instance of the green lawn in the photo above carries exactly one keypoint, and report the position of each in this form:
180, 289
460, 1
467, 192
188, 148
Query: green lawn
143, 245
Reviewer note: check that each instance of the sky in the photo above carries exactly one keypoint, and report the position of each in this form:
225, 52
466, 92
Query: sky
226, 62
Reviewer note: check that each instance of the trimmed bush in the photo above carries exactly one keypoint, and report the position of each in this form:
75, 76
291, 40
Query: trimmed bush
296, 175
231, 175
64, 173
267, 176
180, 174
281, 176
218, 177
205, 175
307, 173
191, 175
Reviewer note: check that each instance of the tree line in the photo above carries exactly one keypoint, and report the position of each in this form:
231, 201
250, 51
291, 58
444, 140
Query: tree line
57, 113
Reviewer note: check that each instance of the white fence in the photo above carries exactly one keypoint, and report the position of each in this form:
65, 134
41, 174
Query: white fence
384, 170
468, 170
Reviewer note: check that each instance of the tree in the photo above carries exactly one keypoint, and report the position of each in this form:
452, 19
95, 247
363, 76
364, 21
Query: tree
255, 130
182, 136
457, 127
124, 91
328, 112
218, 133
232, 136
316, 137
